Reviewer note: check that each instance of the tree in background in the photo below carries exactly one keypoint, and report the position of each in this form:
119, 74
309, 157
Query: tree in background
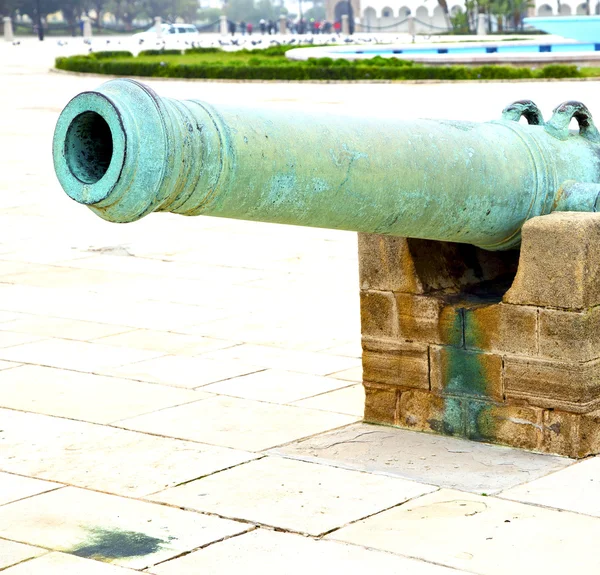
208, 14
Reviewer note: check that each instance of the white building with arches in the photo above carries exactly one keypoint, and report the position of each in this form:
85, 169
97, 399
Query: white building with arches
391, 15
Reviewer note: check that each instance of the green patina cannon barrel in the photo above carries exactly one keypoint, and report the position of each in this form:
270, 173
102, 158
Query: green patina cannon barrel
125, 152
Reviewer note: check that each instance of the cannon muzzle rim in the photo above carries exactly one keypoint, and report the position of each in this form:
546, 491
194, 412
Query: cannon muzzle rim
89, 147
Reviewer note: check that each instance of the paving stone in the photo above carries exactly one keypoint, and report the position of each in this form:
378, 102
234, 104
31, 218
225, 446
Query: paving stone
179, 371
85, 396
352, 374
8, 364
444, 461
350, 400
104, 458
263, 552
63, 328
276, 386
14, 487
575, 488
238, 423
483, 535
167, 342
69, 354
113, 529
353, 349
274, 358
293, 495
12, 553
63, 564
10, 339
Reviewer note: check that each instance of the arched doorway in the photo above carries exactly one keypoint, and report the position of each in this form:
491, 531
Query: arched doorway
369, 19
344, 7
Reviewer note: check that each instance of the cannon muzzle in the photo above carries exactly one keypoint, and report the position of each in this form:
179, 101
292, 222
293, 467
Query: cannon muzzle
125, 152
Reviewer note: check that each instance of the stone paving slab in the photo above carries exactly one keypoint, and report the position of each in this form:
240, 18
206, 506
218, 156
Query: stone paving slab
63, 564
444, 461
576, 488
12, 553
108, 528
181, 371
15, 487
276, 386
74, 355
238, 423
483, 535
85, 396
303, 362
104, 458
62, 328
265, 552
350, 400
293, 495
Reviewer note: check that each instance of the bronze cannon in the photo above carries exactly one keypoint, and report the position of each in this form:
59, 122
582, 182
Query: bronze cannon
125, 152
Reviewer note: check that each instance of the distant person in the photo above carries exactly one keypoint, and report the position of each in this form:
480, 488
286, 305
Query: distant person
337, 26
232, 27
263, 26
249, 28
271, 27
243, 27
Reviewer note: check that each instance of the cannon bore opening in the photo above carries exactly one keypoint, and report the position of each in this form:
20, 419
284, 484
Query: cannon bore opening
88, 147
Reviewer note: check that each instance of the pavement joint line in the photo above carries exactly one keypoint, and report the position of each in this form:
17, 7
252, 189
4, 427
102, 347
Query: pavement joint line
41, 338
33, 494
226, 538
350, 384
285, 444
207, 475
25, 560
353, 521
289, 403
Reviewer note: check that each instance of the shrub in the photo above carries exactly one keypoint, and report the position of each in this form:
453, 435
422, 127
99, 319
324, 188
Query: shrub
111, 54
200, 50
259, 67
160, 53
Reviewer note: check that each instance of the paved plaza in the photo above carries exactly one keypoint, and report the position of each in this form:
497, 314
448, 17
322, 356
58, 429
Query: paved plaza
183, 395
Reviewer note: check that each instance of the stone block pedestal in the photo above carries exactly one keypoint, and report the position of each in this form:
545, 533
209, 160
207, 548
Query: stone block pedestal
456, 341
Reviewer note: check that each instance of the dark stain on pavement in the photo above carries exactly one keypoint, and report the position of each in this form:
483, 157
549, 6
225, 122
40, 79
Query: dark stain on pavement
106, 544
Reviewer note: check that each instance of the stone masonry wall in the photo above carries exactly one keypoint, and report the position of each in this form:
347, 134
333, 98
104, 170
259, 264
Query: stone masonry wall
447, 349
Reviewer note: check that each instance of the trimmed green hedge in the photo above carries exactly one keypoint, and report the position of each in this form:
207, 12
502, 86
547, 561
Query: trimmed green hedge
269, 65
160, 53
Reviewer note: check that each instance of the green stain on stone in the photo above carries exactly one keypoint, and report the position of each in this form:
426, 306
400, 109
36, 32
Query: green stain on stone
464, 375
107, 544
480, 426
452, 419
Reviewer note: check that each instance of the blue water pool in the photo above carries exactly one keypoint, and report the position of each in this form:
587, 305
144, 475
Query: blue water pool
495, 49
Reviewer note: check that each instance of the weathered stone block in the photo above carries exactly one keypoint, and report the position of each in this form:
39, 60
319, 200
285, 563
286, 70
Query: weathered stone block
425, 411
385, 264
378, 314
561, 431
567, 386
560, 262
381, 404
396, 363
572, 434
569, 336
502, 328
429, 319
465, 373
519, 426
